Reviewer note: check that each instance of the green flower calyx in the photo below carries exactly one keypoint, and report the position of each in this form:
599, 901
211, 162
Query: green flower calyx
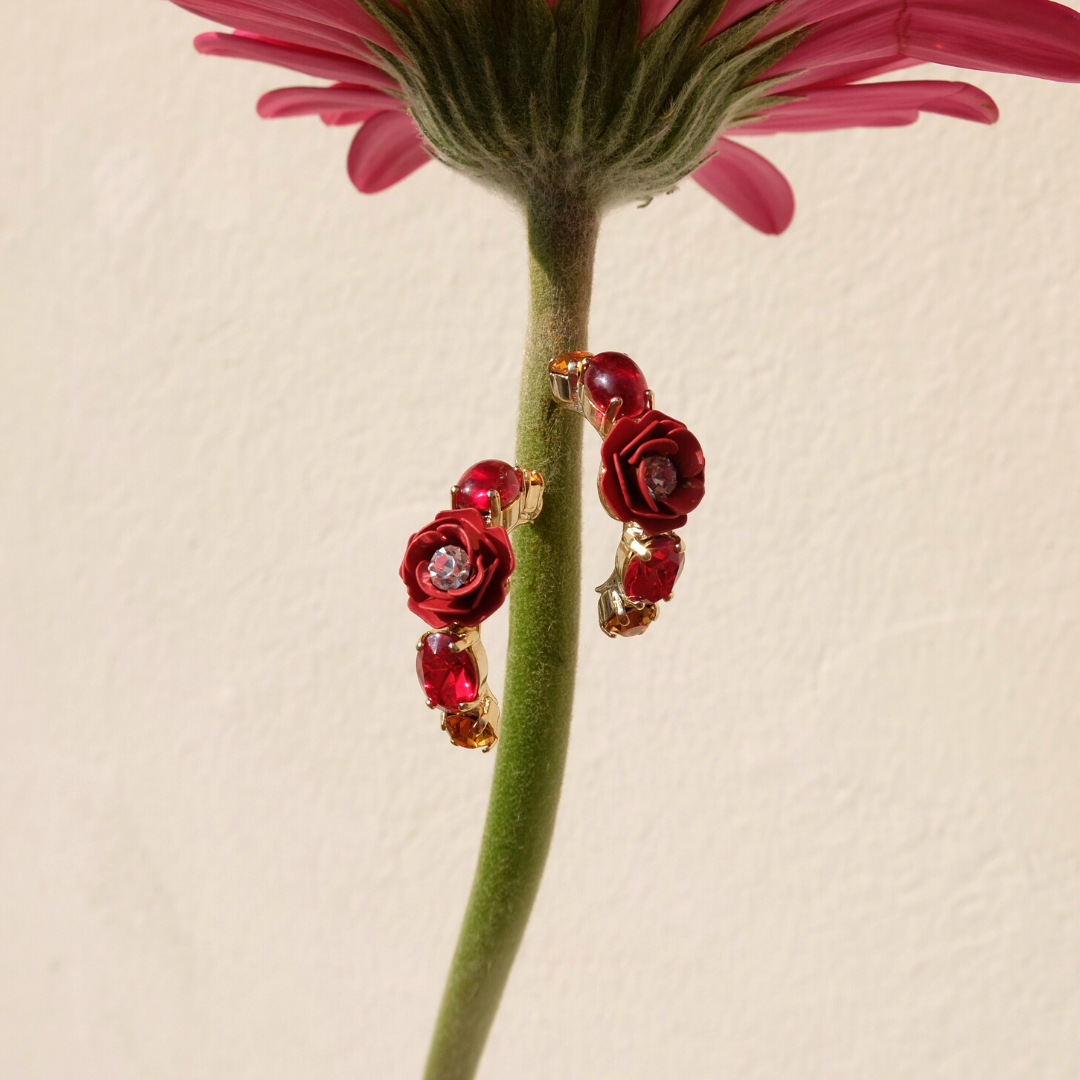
568, 103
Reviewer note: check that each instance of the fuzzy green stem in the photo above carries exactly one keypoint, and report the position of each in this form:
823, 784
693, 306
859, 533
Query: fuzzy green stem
542, 652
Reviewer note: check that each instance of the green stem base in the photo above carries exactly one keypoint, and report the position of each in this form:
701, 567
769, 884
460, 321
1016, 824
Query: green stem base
542, 652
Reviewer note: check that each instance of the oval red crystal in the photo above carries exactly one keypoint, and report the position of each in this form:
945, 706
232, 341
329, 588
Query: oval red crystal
449, 677
485, 476
653, 579
614, 375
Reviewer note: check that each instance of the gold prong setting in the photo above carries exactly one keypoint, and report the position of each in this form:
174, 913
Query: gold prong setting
569, 387
523, 509
565, 373
619, 616
629, 610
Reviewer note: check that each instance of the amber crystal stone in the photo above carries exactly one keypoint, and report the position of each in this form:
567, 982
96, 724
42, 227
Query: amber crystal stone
637, 621
449, 676
614, 375
653, 579
471, 732
485, 476
561, 364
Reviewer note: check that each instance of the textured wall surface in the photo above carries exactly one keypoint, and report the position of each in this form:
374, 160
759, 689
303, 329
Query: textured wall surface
819, 824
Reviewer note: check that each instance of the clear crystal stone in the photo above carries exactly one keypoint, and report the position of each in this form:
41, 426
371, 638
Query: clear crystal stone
449, 568
660, 475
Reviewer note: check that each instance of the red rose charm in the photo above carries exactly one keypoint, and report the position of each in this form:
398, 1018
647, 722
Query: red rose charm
652, 471
456, 569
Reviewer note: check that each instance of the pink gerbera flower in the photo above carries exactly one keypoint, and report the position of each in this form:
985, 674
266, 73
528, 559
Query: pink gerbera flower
818, 52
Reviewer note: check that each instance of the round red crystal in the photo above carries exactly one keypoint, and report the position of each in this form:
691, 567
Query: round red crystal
449, 677
614, 375
485, 476
653, 579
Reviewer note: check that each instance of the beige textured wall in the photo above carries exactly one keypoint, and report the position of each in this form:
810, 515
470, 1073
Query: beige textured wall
820, 824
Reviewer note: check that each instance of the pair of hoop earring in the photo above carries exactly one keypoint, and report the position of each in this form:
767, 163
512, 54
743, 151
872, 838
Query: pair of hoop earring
457, 568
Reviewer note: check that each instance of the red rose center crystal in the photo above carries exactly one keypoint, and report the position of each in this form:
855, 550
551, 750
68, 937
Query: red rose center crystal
485, 476
449, 677
449, 568
653, 579
614, 375
660, 476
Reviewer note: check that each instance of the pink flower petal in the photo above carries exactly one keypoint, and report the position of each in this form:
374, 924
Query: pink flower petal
792, 14
323, 65
749, 186
734, 10
295, 32
347, 118
332, 25
1021, 37
843, 74
866, 39
386, 149
876, 105
652, 14
314, 100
